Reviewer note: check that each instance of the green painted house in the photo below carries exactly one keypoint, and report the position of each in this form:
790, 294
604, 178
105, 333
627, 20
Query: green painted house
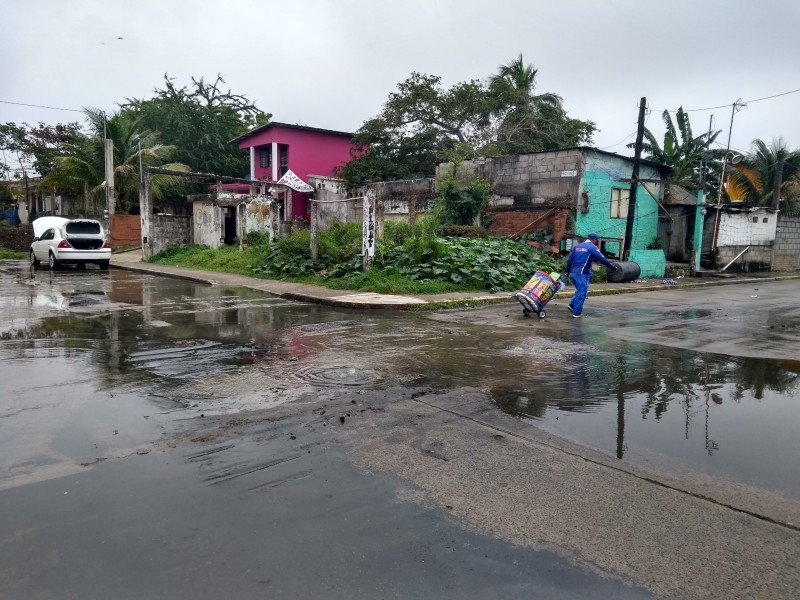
602, 207
573, 192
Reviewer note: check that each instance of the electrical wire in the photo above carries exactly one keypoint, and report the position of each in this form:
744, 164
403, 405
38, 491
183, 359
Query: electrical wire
40, 106
731, 104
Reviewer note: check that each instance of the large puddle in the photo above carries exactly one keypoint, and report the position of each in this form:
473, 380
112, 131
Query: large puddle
100, 363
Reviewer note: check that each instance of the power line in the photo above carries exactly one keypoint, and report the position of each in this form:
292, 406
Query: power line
619, 142
40, 106
745, 102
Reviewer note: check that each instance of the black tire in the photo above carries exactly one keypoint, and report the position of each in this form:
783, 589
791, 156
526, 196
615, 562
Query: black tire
35, 262
80, 266
103, 265
542, 314
53, 262
526, 312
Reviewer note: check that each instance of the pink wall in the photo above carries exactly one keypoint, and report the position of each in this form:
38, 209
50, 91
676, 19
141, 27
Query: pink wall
310, 153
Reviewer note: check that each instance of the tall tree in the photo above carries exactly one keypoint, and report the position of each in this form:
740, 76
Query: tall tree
33, 148
420, 125
754, 177
531, 122
682, 150
84, 161
200, 120
424, 123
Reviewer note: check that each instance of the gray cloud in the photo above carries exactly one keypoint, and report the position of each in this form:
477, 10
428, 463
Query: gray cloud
332, 64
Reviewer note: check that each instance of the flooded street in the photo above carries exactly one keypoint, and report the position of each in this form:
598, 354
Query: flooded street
118, 381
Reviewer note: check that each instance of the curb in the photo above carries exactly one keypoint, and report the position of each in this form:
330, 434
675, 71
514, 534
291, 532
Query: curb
440, 303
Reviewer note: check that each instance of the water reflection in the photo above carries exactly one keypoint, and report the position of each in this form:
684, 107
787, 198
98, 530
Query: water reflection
236, 349
634, 400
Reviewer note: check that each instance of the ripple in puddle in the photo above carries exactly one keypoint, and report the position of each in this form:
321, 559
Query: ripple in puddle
335, 376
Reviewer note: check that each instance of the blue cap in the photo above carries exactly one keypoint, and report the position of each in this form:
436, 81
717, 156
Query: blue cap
593, 236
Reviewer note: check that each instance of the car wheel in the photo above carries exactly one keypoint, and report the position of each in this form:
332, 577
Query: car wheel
53, 262
104, 265
81, 266
34, 260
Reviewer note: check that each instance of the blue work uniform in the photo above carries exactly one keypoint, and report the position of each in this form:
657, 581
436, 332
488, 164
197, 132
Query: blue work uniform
579, 267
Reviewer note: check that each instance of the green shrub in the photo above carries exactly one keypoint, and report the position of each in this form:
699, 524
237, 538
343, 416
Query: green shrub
461, 205
465, 231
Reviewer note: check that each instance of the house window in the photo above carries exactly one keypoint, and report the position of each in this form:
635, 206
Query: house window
619, 203
264, 158
765, 220
284, 159
755, 219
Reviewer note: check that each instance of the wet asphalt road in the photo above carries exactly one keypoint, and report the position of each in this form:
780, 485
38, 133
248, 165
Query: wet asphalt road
164, 439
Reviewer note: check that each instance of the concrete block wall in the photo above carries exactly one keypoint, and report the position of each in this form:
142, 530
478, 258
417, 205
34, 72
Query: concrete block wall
786, 251
652, 263
126, 231
757, 258
335, 203
170, 230
525, 180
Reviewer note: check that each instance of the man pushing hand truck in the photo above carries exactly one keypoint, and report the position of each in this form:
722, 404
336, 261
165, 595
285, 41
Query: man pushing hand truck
579, 267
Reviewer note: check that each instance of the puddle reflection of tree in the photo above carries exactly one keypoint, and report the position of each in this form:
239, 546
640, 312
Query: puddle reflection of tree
696, 382
653, 377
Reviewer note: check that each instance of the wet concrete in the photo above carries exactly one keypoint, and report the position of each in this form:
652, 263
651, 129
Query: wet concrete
243, 409
260, 517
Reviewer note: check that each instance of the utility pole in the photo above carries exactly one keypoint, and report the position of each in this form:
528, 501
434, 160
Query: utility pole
735, 107
776, 194
637, 157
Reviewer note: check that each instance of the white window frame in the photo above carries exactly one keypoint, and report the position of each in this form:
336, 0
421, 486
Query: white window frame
620, 197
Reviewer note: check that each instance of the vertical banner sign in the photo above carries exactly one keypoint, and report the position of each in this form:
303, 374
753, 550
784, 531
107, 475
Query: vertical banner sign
368, 233
369, 227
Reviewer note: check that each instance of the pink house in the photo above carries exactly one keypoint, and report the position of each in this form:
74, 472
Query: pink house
276, 148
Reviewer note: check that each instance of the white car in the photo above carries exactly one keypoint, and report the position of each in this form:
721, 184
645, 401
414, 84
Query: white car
59, 241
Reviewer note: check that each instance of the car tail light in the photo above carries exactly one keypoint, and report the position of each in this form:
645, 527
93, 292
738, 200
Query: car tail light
64, 244
106, 245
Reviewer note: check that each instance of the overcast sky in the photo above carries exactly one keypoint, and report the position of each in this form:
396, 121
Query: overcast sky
332, 63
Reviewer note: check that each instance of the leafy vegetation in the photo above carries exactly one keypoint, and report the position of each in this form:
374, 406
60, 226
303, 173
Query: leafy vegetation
462, 204
32, 149
423, 263
227, 259
84, 160
408, 260
423, 124
684, 152
753, 179
199, 120
12, 255
531, 122
180, 128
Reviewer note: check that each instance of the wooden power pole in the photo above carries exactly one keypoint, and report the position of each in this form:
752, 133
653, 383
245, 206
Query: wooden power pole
637, 157
776, 193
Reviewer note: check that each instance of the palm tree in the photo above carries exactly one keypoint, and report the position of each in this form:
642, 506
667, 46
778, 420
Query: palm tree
84, 163
753, 179
523, 113
682, 151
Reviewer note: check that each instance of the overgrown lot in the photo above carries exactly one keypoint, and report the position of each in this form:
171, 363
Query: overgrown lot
410, 260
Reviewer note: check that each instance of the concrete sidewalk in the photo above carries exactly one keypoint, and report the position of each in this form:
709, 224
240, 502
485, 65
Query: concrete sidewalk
132, 261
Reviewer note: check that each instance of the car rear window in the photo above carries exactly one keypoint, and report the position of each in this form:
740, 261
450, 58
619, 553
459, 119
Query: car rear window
83, 228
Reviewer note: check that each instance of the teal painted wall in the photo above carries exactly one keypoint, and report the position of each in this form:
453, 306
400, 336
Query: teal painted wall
602, 173
651, 262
